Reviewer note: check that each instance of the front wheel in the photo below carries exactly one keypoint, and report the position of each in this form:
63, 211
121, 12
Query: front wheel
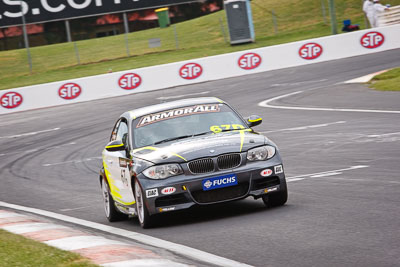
276, 199
112, 214
145, 219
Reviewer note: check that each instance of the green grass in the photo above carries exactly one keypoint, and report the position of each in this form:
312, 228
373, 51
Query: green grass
388, 81
18, 251
297, 20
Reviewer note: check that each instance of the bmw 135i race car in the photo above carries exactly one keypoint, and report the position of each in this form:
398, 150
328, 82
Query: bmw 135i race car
199, 151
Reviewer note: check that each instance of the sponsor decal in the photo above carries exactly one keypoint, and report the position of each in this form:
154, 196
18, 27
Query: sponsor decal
174, 113
266, 172
152, 193
310, 51
69, 91
123, 163
249, 61
220, 182
278, 169
168, 190
130, 81
124, 177
191, 71
166, 209
372, 40
271, 189
11, 100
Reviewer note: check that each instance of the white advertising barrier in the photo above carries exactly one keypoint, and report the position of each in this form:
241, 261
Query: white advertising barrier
201, 70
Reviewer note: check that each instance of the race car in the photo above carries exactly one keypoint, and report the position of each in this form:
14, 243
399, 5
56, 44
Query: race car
175, 155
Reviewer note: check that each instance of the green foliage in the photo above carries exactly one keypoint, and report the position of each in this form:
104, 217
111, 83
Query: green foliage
388, 81
18, 251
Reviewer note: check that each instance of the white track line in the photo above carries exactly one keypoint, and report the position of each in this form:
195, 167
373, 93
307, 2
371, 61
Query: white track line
31, 227
266, 104
180, 96
145, 239
31, 133
324, 174
305, 127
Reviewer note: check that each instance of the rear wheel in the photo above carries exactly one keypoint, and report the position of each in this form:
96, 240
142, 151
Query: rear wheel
276, 199
145, 219
110, 210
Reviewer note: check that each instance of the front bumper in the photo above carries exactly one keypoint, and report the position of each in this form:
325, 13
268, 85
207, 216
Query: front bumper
188, 189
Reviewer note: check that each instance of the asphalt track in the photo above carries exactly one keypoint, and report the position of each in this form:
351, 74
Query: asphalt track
343, 167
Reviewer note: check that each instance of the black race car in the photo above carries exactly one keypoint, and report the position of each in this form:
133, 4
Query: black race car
174, 155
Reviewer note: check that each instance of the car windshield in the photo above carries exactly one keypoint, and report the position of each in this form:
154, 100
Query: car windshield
183, 123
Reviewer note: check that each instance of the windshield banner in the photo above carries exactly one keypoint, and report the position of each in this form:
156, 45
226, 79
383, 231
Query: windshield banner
39, 11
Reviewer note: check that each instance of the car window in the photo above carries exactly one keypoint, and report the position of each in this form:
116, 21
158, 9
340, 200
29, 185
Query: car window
122, 130
114, 131
154, 128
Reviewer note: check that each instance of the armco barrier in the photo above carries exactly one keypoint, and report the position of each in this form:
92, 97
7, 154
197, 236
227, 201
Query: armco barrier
200, 70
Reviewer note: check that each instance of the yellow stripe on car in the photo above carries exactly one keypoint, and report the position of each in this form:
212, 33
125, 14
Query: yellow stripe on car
121, 145
155, 149
259, 119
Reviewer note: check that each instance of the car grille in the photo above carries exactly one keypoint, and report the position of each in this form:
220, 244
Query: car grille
227, 161
201, 165
221, 194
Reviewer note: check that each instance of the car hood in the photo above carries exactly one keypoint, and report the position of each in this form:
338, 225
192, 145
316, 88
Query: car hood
199, 147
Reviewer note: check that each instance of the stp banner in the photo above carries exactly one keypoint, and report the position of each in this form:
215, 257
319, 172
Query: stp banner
37, 11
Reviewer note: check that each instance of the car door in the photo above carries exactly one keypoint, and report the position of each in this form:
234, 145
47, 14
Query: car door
116, 167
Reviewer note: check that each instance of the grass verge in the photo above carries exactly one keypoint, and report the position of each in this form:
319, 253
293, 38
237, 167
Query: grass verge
18, 251
388, 81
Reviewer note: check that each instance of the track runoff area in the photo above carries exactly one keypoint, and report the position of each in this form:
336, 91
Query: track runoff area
339, 142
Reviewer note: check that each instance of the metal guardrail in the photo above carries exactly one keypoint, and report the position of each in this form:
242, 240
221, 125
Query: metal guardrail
390, 17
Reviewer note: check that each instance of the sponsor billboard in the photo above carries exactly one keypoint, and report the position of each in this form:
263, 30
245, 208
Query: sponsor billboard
38, 11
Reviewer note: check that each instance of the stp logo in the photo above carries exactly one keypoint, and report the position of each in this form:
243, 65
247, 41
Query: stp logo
130, 81
249, 61
310, 51
372, 40
11, 100
190, 71
69, 91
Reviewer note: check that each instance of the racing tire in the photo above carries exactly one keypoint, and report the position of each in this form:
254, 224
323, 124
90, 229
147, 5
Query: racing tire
112, 214
144, 218
276, 199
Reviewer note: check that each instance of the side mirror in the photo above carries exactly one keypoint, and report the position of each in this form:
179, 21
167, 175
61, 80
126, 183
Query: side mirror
254, 120
116, 145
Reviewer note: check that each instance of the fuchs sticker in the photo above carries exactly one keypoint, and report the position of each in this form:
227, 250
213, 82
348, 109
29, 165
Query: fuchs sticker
266, 173
11, 100
278, 169
191, 71
152, 193
249, 61
372, 40
174, 113
219, 182
310, 51
168, 190
70, 91
130, 81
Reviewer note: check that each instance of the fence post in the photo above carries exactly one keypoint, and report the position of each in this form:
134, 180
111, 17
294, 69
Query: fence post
333, 16
323, 11
223, 29
68, 30
176, 38
77, 53
274, 20
26, 41
126, 33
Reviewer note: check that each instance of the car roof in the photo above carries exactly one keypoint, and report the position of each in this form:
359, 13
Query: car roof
133, 114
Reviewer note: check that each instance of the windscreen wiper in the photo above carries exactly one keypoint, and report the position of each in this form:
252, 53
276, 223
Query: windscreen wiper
172, 139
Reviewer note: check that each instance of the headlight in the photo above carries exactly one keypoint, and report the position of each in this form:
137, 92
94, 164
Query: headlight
261, 153
163, 171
